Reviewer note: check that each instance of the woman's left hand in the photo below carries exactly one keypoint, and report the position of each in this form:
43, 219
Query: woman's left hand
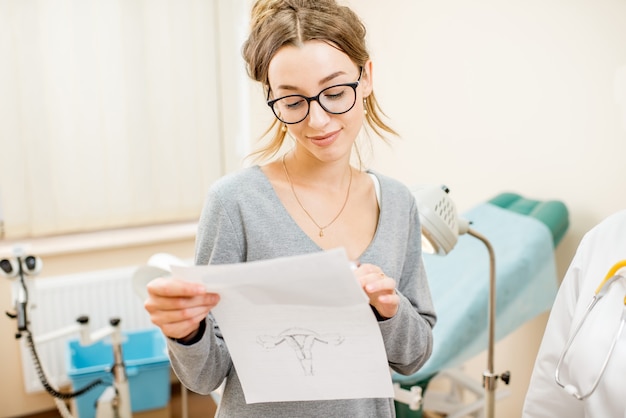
380, 288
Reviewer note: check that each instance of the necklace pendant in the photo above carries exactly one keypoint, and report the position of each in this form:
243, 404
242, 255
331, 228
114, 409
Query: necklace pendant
295, 195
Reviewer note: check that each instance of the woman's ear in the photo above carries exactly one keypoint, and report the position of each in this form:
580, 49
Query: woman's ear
366, 79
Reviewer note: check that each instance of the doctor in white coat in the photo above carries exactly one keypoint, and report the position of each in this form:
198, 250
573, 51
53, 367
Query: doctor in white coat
599, 251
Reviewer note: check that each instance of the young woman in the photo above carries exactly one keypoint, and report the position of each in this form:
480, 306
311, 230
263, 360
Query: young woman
311, 57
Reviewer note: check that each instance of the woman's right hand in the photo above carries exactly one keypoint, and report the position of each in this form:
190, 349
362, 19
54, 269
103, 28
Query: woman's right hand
177, 307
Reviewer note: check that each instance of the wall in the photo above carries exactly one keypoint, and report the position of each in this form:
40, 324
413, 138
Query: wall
514, 95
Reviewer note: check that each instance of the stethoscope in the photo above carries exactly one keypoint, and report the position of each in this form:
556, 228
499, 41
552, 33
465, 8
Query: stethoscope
601, 291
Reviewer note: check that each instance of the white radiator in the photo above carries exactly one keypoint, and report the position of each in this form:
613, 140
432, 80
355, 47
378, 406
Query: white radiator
56, 302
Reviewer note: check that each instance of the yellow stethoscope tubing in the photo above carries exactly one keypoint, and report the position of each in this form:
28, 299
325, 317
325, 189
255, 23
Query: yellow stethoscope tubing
610, 276
601, 290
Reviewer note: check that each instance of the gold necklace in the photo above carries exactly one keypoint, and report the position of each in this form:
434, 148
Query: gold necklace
293, 190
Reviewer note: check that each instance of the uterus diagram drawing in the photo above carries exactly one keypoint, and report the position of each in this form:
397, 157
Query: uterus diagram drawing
301, 341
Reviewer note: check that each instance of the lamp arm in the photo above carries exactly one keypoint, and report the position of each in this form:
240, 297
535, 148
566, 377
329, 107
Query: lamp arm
489, 377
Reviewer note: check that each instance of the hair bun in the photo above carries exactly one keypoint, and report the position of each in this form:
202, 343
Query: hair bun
264, 9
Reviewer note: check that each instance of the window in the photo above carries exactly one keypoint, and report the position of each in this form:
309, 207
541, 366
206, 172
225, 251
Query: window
111, 112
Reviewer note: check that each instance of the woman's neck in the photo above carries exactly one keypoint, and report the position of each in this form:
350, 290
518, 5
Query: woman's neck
312, 172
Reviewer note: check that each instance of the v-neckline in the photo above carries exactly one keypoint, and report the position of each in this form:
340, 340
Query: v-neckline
295, 225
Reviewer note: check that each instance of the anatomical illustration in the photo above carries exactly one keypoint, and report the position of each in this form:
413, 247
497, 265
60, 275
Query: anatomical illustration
301, 340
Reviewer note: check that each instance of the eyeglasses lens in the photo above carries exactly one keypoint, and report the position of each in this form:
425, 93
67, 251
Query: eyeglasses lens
335, 100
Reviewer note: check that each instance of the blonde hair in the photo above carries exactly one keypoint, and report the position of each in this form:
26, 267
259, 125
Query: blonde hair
276, 23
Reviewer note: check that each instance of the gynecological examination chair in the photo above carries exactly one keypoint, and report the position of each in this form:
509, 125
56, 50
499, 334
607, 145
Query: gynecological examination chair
523, 233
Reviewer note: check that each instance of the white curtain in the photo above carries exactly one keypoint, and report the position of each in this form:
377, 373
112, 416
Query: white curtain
109, 113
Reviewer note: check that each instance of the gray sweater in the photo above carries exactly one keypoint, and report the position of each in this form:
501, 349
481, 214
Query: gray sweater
243, 220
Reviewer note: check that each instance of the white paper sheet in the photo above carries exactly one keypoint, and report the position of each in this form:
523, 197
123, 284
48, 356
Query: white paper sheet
298, 328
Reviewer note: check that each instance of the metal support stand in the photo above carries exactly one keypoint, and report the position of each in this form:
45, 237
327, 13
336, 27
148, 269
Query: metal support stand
115, 401
489, 377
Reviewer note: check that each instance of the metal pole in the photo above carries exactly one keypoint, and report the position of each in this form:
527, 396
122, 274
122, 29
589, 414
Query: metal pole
122, 404
489, 377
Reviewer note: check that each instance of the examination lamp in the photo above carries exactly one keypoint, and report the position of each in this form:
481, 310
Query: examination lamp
441, 227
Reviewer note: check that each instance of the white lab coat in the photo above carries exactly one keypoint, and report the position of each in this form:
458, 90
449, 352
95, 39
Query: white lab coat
599, 250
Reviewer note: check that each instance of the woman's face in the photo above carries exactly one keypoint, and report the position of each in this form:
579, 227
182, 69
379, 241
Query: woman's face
307, 70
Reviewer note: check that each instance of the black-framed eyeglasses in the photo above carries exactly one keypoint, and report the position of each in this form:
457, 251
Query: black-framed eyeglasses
336, 100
